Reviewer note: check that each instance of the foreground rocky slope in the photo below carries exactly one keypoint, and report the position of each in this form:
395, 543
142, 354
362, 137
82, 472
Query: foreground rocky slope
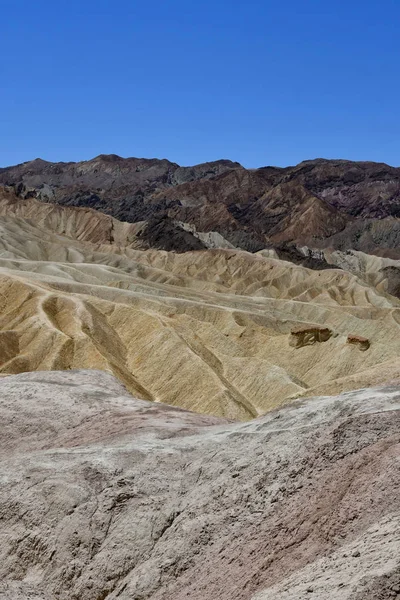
321, 203
106, 496
222, 332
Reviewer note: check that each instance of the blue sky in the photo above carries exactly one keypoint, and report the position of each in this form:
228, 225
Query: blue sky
260, 82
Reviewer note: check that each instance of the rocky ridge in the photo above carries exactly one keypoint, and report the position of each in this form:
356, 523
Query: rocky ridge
321, 203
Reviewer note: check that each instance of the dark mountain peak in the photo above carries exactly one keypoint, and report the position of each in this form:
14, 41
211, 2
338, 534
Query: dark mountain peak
220, 162
37, 162
107, 158
128, 161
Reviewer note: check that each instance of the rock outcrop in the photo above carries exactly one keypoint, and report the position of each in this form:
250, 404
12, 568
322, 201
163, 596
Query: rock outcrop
309, 335
106, 496
357, 340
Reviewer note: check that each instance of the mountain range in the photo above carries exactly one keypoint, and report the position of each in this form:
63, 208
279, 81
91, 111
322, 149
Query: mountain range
319, 203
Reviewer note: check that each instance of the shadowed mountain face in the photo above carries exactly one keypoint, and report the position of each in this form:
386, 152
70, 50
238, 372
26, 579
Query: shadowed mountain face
321, 203
120, 187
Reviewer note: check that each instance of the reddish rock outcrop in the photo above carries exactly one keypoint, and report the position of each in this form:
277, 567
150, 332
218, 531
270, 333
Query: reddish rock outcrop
357, 340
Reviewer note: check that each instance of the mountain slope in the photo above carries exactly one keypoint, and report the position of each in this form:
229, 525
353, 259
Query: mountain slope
88, 224
321, 203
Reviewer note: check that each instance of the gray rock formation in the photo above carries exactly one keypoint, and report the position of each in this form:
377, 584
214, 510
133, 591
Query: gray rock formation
105, 496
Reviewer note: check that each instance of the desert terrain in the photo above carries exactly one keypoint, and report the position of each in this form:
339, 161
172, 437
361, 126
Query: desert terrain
199, 381
107, 496
219, 331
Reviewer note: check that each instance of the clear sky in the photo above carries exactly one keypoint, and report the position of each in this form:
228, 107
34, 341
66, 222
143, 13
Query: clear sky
261, 82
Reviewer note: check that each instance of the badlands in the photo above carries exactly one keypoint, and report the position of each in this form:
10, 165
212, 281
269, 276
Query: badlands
200, 381
218, 331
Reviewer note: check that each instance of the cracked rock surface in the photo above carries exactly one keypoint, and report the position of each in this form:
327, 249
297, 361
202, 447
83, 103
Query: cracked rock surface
106, 496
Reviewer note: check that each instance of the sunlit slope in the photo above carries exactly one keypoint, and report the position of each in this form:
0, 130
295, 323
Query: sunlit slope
208, 331
84, 224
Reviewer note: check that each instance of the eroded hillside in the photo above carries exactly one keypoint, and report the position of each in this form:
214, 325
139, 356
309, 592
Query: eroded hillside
221, 331
107, 496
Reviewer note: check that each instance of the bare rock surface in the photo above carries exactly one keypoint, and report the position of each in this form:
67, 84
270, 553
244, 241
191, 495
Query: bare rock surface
324, 203
357, 340
309, 335
104, 496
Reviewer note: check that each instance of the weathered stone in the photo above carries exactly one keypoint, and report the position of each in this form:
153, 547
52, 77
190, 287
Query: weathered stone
357, 340
106, 496
309, 335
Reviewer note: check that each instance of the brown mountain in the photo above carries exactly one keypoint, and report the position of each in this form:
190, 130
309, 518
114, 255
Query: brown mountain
320, 203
